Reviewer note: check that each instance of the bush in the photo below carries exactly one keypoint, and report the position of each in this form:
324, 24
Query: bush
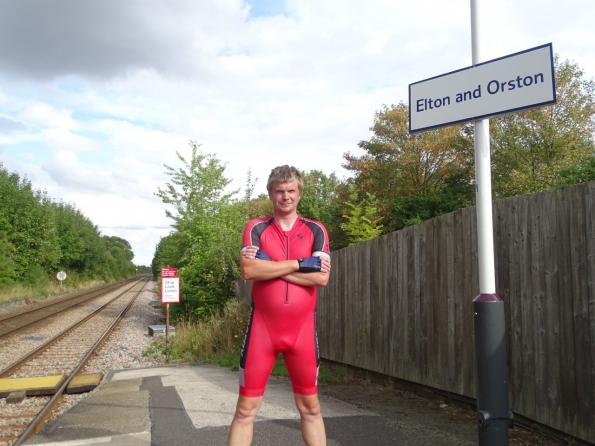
213, 338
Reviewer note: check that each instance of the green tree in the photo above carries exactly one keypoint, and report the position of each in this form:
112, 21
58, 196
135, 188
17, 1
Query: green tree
82, 250
406, 172
39, 236
7, 264
581, 173
260, 206
143, 269
195, 190
320, 201
257, 207
537, 149
28, 222
170, 252
362, 218
209, 222
119, 257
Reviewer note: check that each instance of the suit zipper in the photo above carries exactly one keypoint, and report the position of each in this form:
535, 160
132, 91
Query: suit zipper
286, 258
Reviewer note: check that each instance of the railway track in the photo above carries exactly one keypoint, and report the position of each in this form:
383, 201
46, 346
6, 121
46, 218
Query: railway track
14, 321
63, 354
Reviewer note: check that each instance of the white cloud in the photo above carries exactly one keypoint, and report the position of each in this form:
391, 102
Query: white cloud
127, 138
108, 91
46, 115
63, 140
68, 173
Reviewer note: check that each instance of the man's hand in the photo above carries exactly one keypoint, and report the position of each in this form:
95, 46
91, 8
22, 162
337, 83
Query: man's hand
309, 265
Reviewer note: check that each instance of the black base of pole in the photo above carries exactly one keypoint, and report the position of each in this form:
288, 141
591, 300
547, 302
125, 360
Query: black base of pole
493, 414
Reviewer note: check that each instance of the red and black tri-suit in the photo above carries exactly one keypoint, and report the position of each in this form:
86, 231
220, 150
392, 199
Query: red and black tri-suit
283, 314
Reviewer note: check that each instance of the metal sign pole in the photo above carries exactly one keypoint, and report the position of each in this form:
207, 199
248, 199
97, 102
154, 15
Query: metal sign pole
494, 415
61, 276
166, 325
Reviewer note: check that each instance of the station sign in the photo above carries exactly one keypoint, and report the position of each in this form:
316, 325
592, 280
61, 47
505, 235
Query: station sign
170, 290
504, 85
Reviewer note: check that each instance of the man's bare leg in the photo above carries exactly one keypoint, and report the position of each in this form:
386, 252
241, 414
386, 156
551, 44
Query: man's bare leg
242, 426
311, 420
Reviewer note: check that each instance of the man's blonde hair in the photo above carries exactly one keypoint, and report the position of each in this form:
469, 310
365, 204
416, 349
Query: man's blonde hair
285, 174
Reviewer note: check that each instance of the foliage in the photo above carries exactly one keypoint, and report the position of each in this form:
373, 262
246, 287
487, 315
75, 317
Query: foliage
39, 236
215, 336
259, 207
119, 257
362, 218
579, 174
217, 339
456, 193
143, 269
538, 149
45, 286
405, 172
29, 226
7, 264
81, 247
401, 179
421, 176
320, 201
208, 226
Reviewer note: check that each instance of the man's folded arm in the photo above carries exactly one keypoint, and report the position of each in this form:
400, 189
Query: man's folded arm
308, 279
313, 278
259, 269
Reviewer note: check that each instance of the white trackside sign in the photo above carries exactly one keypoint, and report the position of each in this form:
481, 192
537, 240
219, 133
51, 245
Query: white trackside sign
170, 290
510, 83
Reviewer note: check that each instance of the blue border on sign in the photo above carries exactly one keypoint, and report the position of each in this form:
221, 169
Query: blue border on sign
502, 112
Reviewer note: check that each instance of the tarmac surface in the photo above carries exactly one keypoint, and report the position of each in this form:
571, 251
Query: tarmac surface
194, 405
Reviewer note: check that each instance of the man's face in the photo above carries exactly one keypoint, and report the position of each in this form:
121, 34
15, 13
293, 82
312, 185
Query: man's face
285, 197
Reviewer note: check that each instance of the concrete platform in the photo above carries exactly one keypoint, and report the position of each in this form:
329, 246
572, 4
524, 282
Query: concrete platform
194, 405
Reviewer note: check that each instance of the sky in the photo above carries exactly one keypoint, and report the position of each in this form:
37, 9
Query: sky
96, 96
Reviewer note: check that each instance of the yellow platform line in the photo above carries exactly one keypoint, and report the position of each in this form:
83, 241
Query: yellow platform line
47, 385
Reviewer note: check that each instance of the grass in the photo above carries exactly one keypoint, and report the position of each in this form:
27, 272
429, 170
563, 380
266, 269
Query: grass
22, 292
218, 340
214, 339
155, 350
325, 374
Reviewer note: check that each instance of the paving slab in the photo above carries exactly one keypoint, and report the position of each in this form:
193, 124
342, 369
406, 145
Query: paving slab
114, 412
194, 405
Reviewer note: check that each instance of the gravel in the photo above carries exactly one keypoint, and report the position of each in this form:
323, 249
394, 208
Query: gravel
128, 344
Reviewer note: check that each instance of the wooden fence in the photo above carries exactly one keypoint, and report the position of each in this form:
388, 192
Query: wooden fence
402, 304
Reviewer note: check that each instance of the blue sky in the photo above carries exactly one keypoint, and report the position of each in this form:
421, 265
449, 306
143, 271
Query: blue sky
96, 96
264, 8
